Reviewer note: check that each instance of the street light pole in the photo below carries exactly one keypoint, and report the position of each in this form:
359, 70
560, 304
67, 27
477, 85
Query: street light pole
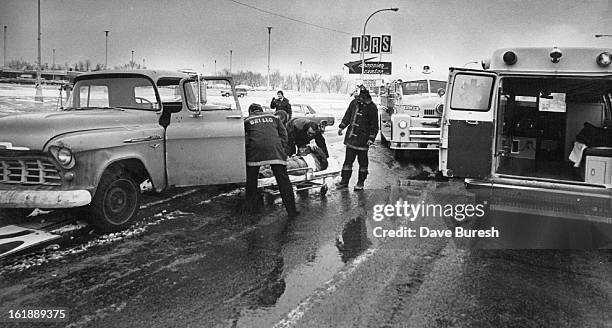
230, 62
132, 61
363, 37
4, 63
603, 35
215, 67
269, 31
106, 51
300, 82
38, 97
53, 65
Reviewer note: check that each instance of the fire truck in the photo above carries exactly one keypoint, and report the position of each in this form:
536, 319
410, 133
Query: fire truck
410, 111
532, 132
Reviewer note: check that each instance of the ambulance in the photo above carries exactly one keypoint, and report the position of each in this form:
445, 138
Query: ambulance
532, 132
410, 111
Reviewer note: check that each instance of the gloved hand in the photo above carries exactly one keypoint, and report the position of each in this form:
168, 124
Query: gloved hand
339, 132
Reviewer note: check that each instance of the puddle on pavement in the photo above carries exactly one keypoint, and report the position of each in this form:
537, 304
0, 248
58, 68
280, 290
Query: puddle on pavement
313, 252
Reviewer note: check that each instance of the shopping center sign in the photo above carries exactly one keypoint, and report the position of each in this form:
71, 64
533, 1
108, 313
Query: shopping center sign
371, 44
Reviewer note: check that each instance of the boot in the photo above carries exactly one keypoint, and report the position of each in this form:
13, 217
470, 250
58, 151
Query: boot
346, 177
361, 180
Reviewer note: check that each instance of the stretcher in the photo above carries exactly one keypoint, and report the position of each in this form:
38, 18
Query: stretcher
309, 179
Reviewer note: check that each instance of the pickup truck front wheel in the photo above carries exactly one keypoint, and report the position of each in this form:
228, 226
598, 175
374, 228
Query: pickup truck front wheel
116, 202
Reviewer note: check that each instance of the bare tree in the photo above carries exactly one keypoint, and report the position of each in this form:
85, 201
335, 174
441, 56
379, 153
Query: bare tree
276, 80
313, 81
336, 82
289, 84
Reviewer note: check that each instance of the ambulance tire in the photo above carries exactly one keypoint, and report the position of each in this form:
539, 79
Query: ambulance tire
116, 202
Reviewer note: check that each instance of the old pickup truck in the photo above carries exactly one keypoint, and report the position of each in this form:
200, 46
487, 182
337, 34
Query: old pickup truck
117, 130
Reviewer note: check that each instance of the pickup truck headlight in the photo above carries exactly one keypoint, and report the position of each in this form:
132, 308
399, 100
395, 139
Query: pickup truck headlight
63, 156
402, 124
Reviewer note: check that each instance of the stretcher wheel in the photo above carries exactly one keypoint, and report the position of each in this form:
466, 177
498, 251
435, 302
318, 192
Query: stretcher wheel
324, 190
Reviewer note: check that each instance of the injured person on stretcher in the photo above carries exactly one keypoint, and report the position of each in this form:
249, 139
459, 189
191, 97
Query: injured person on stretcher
307, 158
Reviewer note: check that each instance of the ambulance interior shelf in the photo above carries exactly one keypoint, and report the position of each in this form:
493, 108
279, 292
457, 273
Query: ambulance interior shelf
539, 119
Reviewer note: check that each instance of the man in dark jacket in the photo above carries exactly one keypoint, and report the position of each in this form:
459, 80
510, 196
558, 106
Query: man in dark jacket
266, 140
281, 103
300, 131
361, 119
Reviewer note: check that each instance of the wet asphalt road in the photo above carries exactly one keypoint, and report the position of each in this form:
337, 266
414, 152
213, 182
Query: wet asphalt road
196, 262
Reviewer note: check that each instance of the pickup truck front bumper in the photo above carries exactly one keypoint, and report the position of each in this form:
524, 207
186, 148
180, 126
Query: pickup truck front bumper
44, 198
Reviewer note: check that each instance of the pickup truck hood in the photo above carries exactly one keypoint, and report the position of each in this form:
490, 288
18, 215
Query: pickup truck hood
34, 130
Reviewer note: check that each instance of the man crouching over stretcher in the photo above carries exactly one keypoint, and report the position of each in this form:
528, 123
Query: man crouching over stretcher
266, 140
306, 158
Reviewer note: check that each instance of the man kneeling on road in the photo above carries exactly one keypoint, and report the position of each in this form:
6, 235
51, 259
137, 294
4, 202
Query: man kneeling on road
266, 139
300, 131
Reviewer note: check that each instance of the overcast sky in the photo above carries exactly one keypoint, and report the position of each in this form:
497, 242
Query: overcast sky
194, 33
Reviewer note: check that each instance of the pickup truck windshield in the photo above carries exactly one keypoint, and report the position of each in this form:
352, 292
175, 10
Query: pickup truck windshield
120, 92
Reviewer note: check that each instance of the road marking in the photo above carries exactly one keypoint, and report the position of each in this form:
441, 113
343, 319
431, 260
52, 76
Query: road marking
330, 286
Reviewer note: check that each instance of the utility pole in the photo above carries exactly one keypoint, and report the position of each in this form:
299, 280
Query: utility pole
300, 81
38, 97
215, 67
230, 62
106, 52
4, 64
269, 31
132, 61
53, 65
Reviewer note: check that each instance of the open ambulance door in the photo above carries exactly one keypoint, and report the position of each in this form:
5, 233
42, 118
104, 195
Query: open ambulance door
468, 124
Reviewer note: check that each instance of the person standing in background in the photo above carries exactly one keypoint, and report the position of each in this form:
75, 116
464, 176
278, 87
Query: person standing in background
281, 103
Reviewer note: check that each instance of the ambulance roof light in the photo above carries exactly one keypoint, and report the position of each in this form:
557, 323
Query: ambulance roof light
555, 55
604, 59
509, 58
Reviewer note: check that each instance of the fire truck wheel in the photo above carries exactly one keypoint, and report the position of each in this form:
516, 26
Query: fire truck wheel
384, 141
116, 202
398, 154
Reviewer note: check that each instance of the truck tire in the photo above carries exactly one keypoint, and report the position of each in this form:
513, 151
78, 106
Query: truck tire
116, 202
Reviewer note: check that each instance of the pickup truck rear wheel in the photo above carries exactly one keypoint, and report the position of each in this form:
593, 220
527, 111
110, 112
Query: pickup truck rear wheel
116, 202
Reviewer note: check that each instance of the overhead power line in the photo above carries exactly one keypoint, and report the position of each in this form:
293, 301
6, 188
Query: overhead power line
289, 18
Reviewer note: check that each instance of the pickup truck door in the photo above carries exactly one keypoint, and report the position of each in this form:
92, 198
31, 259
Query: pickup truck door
205, 147
468, 123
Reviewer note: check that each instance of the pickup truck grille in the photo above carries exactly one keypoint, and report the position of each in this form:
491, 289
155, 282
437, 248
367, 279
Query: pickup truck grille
33, 171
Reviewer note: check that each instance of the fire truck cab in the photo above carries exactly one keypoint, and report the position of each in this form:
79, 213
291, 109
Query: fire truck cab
532, 132
409, 114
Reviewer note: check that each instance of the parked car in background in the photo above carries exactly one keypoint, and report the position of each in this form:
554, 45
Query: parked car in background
240, 92
302, 110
